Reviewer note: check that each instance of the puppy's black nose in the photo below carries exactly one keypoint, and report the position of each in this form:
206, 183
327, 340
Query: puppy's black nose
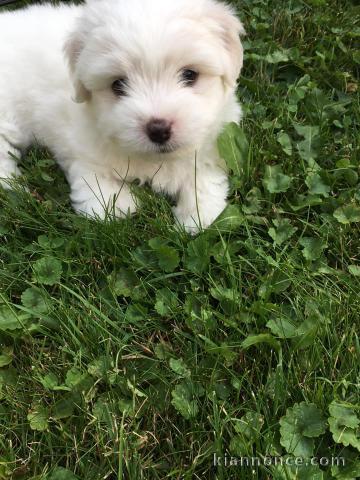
159, 130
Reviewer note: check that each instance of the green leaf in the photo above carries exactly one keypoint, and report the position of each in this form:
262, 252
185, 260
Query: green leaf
103, 410
252, 203
284, 230
278, 56
285, 141
5, 359
38, 419
275, 181
221, 293
50, 243
312, 247
166, 302
306, 201
8, 377
347, 467
78, 381
179, 367
33, 299
229, 298
354, 270
344, 413
73, 377
61, 473
168, 257
99, 367
316, 185
123, 282
9, 320
48, 270
255, 340
305, 471
64, 407
230, 219
282, 327
127, 407
250, 425
134, 389
347, 214
50, 381
198, 255
46, 177
136, 313
299, 426
234, 148
223, 250
275, 282
239, 446
308, 148
183, 402
344, 424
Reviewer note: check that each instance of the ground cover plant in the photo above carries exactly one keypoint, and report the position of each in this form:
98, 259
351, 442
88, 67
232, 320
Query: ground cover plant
130, 350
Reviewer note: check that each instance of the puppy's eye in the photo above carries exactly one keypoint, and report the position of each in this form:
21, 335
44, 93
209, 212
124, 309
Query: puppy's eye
119, 87
189, 77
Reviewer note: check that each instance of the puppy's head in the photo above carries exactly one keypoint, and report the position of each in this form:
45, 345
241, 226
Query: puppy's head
157, 73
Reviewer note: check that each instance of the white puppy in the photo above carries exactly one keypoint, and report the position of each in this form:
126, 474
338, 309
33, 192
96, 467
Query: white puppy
121, 90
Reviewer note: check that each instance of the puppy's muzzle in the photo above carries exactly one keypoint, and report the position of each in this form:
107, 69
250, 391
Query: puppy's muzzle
159, 131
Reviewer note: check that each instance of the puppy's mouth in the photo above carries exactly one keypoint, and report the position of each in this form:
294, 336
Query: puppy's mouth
166, 148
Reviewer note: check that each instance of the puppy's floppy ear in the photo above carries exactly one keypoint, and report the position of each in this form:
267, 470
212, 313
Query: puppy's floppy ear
228, 28
73, 47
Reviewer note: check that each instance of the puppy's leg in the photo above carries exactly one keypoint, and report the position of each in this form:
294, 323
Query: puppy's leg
8, 166
202, 199
93, 192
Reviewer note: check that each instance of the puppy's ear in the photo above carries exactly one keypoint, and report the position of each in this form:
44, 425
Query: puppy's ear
73, 47
228, 28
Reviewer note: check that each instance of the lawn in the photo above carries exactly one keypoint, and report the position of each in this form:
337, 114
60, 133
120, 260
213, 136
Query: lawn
130, 350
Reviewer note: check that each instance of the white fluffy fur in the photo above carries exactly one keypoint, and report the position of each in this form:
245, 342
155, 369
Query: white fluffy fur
57, 66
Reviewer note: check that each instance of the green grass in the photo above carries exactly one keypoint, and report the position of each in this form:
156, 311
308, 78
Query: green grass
132, 351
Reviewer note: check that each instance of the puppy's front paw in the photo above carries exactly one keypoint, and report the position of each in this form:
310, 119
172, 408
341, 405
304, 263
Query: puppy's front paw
188, 223
8, 172
200, 217
193, 222
110, 199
